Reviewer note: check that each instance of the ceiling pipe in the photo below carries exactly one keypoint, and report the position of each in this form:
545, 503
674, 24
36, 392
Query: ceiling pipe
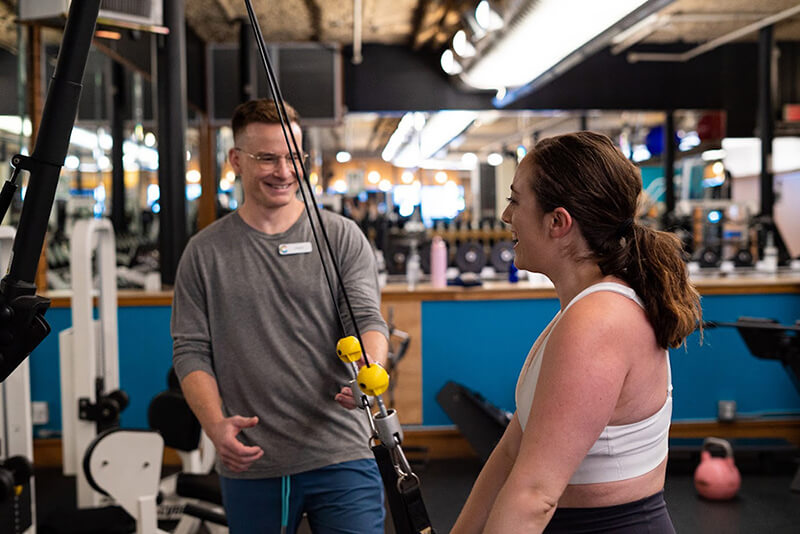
516, 137
357, 8
638, 32
644, 29
634, 57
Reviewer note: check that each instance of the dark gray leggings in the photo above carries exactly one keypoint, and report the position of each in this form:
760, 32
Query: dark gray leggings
646, 516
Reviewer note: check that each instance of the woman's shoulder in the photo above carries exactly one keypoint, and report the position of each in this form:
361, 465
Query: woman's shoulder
606, 316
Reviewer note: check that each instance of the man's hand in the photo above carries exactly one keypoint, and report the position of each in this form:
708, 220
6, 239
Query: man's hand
235, 455
345, 398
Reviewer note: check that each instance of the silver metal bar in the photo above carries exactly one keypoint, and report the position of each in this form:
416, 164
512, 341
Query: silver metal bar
634, 57
357, 8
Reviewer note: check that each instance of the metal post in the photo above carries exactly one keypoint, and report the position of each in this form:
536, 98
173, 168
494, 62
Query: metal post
669, 164
207, 208
118, 100
766, 120
172, 139
247, 79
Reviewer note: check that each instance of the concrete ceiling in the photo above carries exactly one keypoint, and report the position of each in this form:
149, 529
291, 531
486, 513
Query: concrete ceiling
429, 25
432, 23
413, 22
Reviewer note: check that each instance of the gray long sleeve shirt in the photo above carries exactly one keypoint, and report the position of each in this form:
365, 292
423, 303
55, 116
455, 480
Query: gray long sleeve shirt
262, 322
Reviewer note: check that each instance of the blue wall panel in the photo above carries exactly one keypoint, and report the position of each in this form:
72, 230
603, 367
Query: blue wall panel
45, 382
723, 368
145, 355
483, 344
480, 344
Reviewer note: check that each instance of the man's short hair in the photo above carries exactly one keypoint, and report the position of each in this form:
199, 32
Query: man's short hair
261, 110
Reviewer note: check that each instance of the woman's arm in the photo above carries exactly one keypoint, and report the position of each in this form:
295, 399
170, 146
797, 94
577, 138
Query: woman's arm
583, 369
492, 477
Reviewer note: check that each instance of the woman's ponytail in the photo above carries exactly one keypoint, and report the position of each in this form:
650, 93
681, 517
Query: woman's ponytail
657, 272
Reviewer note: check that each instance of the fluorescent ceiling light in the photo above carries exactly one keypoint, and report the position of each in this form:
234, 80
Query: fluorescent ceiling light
543, 34
399, 136
445, 164
15, 125
438, 131
713, 155
743, 155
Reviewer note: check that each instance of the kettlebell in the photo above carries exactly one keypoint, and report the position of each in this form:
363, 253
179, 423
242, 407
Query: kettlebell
717, 478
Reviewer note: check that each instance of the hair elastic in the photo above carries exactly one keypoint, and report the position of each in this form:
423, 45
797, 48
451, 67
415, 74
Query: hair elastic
625, 227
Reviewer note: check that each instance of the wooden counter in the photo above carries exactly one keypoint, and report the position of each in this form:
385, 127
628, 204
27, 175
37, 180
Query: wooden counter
454, 320
497, 290
125, 297
494, 290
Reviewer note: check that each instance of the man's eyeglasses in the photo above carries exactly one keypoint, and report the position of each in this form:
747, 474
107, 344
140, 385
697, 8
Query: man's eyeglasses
268, 160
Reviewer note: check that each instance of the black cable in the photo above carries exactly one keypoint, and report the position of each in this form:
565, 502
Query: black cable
292, 145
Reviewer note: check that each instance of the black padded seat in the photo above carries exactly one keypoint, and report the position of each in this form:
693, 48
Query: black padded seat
170, 415
106, 520
202, 487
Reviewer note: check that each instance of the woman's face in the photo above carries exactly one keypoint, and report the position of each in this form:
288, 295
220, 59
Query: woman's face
526, 219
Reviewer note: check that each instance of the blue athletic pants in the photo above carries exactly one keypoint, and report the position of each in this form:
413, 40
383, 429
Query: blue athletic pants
345, 498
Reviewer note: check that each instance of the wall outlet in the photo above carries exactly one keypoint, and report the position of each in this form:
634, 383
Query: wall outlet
726, 410
40, 413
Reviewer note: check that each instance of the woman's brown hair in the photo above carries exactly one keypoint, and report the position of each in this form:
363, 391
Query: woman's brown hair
587, 175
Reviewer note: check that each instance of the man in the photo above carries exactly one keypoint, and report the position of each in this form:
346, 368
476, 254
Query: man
255, 334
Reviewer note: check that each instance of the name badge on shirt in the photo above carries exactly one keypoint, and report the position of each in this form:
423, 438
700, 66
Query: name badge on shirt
287, 249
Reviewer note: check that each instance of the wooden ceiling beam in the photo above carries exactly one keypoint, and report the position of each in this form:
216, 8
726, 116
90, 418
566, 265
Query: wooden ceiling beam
430, 15
439, 22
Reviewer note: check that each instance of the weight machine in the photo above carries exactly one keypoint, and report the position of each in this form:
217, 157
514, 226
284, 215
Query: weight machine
17, 501
91, 400
769, 340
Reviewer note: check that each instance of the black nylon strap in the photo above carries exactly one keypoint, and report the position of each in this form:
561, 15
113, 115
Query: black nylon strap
409, 514
415, 508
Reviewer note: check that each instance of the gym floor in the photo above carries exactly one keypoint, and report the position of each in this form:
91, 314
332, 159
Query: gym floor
765, 503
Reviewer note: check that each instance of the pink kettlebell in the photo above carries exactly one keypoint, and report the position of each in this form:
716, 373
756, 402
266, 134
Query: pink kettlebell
717, 478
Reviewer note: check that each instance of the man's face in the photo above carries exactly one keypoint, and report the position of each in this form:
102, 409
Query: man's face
269, 181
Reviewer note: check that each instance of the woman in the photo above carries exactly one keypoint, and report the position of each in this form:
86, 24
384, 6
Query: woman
588, 451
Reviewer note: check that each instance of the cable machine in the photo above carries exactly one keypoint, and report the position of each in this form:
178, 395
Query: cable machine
400, 482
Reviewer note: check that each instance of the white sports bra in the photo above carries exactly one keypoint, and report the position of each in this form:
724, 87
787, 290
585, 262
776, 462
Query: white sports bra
621, 452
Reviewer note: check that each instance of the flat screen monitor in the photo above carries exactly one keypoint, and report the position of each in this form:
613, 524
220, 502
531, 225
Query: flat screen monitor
441, 202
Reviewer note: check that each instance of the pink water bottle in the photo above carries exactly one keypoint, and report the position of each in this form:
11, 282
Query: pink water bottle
438, 262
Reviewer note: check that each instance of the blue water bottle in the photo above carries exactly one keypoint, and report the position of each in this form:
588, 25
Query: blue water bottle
513, 277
